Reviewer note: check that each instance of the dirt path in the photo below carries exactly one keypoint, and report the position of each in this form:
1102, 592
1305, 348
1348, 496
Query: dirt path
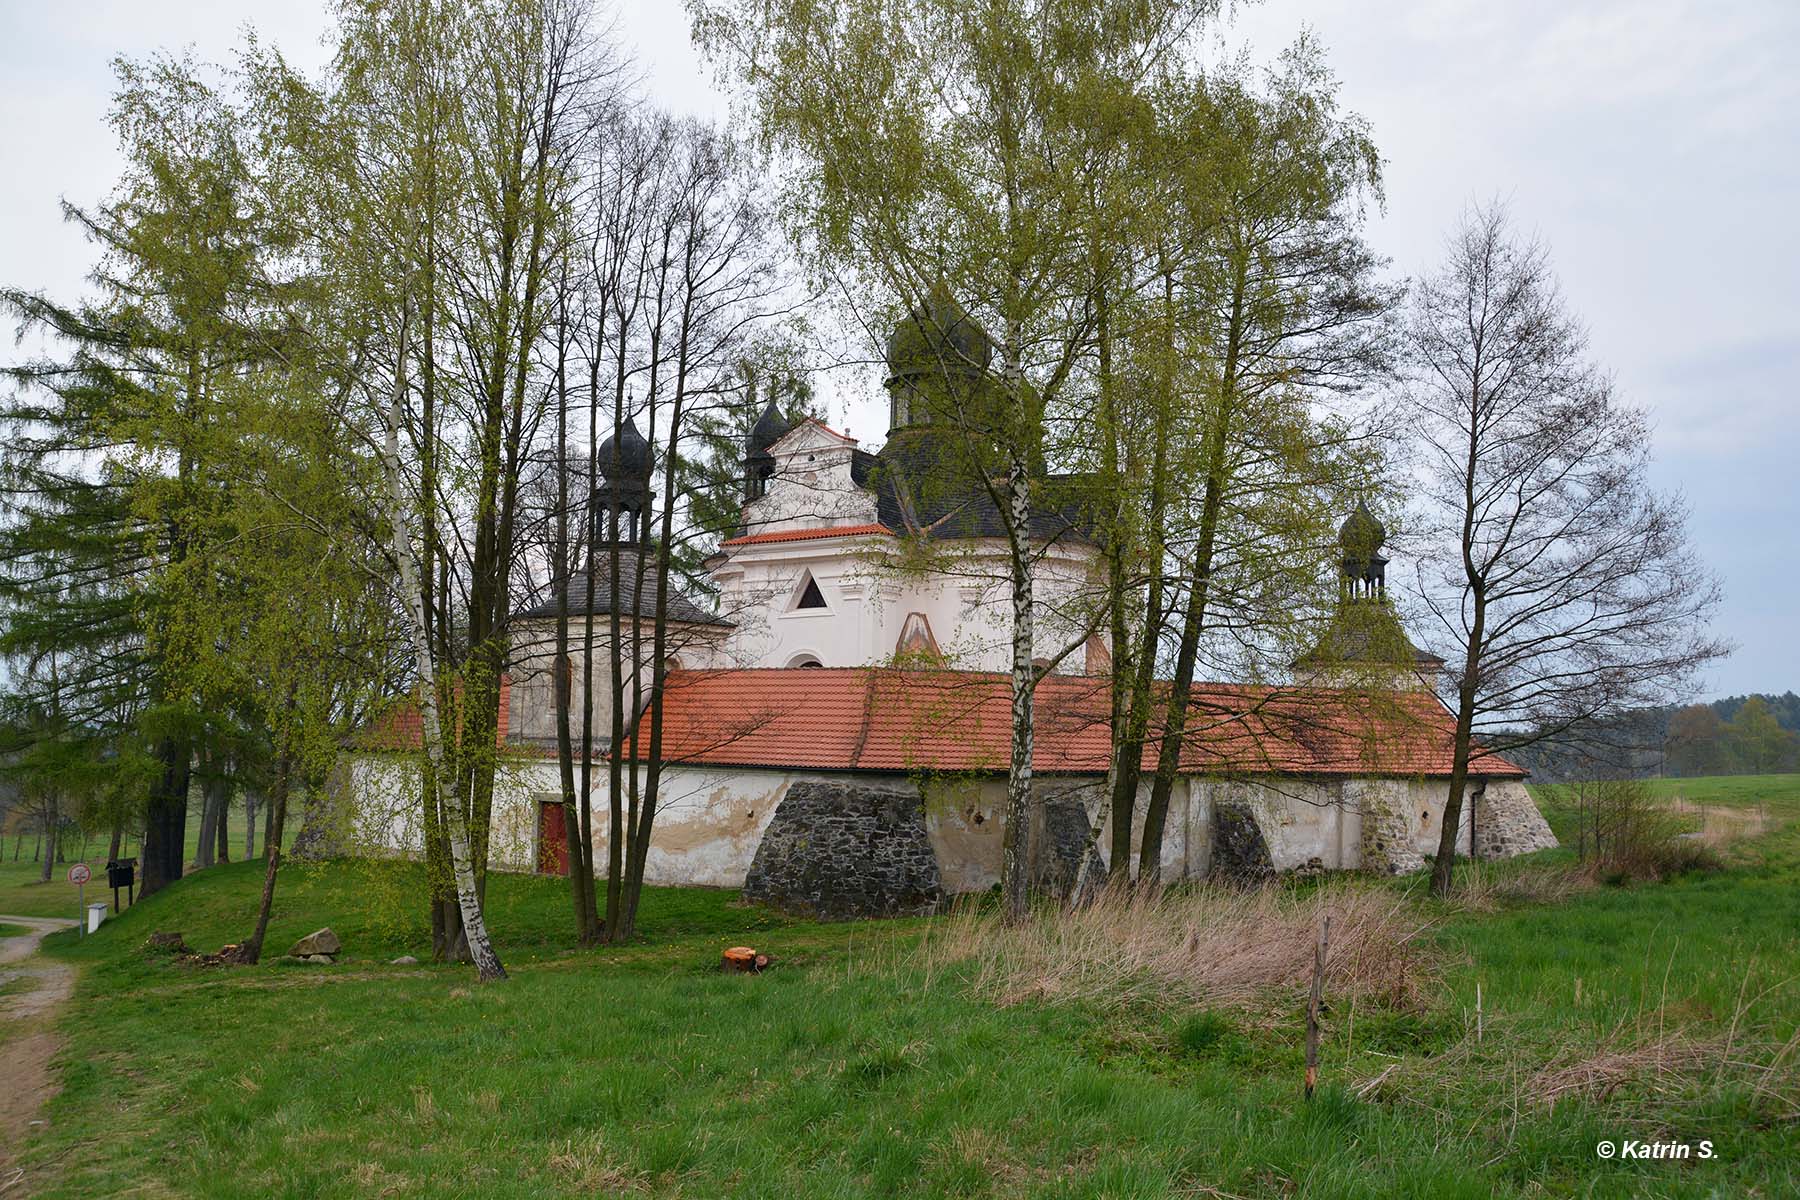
34, 988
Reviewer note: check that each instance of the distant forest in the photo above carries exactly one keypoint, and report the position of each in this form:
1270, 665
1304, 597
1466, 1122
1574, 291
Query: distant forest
1757, 734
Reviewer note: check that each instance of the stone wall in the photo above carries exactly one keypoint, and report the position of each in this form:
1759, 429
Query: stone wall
1066, 861
1240, 853
1507, 821
1389, 843
842, 850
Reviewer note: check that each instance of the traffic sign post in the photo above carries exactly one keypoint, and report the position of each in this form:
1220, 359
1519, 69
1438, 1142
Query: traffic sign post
79, 875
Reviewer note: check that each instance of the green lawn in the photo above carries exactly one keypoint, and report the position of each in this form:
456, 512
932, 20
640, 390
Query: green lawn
24, 894
851, 1069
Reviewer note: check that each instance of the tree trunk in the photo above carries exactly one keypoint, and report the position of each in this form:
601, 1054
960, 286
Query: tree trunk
210, 791
1168, 759
118, 836
1015, 853
251, 951
481, 950
249, 824
224, 820
165, 817
580, 857
1443, 867
50, 818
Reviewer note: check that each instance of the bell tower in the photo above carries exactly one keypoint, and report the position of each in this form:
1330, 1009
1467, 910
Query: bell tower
623, 463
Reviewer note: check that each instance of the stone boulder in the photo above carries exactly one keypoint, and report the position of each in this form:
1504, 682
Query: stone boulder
840, 851
320, 942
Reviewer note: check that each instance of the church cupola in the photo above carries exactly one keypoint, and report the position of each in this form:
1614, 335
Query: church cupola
936, 355
1364, 643
1364, 568
759, 464
623, 462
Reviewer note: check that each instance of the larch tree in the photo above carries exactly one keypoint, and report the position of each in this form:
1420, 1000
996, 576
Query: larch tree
114, 507
1561, 585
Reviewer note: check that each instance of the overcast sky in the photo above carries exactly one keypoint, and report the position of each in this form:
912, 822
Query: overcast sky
1654, 144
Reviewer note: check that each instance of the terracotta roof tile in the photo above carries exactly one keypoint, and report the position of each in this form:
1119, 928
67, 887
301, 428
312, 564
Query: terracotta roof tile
883, 719
402, 727
803, 535
886, 719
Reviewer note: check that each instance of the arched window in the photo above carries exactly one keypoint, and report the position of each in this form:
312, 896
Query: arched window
804, 660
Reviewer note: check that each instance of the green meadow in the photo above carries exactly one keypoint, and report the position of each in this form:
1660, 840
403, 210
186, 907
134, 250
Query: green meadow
1551, 1019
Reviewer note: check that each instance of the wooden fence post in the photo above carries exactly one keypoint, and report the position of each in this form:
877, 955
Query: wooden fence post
1312, 1007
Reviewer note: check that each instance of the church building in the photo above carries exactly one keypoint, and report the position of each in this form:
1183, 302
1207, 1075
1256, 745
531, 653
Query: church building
836, 727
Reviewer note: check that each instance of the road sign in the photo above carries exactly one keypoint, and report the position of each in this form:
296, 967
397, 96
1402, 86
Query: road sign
79, 874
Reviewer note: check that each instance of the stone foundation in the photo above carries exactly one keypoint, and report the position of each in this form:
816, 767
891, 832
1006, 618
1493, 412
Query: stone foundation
842, 851
1068, 864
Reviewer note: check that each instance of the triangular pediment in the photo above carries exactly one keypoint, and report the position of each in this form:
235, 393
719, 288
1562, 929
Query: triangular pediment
811, 435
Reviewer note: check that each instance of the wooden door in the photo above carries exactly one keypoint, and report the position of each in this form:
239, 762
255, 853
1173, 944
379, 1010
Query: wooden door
553, 839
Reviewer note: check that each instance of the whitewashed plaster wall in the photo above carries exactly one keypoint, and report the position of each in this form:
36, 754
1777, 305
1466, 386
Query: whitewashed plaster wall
966, 599
710, 820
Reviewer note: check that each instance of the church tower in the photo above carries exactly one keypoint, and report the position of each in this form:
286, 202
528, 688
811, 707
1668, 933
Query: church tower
623, 463
1365, 645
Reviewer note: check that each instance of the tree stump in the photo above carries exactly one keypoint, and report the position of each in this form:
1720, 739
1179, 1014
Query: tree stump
743, 959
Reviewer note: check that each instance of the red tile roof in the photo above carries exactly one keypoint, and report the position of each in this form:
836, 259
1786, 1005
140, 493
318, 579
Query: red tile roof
887, 719
802, 535
402, 727
884, 719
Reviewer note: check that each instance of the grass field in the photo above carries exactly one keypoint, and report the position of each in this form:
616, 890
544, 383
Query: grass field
23, 893
860, 1066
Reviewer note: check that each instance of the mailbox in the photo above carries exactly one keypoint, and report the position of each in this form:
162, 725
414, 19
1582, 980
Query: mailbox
121, 873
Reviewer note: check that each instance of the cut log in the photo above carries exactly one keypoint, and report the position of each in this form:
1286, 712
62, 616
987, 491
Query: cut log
742, 958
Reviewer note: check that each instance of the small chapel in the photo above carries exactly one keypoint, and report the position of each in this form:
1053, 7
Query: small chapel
836, 723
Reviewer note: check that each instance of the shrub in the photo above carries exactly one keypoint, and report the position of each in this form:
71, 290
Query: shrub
1626, 834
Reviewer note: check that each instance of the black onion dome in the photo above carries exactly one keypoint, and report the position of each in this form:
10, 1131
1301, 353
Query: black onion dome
938, 337
768, 429
1361, 532
633, 455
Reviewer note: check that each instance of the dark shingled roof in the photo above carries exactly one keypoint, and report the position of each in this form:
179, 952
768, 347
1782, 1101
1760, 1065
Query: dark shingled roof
682, 608
920, 489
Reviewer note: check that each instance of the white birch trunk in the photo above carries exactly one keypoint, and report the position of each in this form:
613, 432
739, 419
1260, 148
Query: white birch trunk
1015, 881
481, 948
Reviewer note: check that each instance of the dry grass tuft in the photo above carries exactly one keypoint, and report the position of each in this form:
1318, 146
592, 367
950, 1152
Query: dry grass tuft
588, 1168
1660, 1065
1485, 887
1210, 945
1670, 1060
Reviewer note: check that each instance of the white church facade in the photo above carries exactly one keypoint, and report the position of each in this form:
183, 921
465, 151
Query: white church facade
835, 729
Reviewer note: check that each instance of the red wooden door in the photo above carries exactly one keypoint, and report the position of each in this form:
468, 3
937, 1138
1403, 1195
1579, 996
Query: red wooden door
553, 839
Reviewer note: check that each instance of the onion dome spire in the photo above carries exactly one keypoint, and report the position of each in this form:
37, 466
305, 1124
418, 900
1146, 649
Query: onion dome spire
623, 464
1361, 537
